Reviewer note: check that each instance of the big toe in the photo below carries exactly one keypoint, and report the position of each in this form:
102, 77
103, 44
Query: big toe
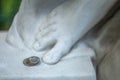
51, 59
56, 53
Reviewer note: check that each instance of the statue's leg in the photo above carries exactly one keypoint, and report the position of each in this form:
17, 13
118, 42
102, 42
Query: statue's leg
25, 24
66, 24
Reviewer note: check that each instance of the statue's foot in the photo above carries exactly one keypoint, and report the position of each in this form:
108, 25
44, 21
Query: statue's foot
59, 31
65, 25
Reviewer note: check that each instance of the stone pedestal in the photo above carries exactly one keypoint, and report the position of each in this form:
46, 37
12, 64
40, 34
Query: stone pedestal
76, 66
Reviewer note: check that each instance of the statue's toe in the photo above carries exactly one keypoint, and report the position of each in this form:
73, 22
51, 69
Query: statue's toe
44, 43
56, 53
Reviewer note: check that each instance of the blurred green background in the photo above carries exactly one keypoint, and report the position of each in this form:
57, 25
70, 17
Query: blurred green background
8, 9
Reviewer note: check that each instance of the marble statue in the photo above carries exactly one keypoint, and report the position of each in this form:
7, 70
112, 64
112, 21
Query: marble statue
53, 31
58, 24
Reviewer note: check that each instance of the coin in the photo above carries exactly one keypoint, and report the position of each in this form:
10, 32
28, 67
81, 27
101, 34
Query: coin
31, 61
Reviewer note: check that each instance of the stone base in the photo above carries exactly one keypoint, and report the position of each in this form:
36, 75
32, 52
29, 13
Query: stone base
71, 67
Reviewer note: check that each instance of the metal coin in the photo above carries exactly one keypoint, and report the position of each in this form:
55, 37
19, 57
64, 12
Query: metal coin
31, 61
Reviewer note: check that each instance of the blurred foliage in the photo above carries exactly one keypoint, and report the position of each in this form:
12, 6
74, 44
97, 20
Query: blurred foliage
8, 9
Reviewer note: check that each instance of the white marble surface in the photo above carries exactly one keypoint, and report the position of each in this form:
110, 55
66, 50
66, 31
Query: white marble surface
75, 66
